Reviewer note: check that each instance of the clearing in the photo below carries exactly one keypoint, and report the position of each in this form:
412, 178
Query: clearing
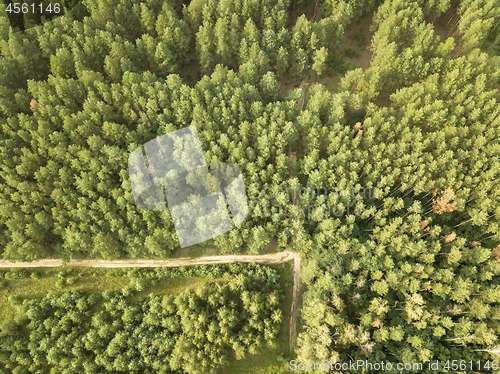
265, 259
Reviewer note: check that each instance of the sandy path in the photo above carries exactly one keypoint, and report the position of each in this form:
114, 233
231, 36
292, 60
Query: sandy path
272, 258
269, 259
295, 298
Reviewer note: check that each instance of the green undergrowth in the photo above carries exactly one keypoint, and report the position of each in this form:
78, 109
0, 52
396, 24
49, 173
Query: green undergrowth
272, 360
22, 290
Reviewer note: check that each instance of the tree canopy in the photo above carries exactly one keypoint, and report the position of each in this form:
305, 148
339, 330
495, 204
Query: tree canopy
385, 177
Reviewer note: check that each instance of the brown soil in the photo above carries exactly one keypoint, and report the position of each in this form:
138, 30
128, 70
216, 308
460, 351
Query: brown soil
357, 37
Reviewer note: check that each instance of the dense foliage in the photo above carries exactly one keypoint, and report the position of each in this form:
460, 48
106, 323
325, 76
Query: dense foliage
412, 274
386, 178
194, 331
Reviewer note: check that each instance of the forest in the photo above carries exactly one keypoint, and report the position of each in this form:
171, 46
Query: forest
367, 133
152, 324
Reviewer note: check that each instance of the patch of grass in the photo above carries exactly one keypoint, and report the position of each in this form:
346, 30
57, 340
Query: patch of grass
350, 53
337, 66
36, 283
269, 361
271, 247
176, 285
360, 38
195, 251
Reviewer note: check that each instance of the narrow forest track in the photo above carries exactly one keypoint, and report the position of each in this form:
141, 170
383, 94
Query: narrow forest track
295, 297
266, 259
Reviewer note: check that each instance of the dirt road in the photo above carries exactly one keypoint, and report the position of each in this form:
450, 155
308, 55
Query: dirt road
295, 298
272, 258
269, 259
